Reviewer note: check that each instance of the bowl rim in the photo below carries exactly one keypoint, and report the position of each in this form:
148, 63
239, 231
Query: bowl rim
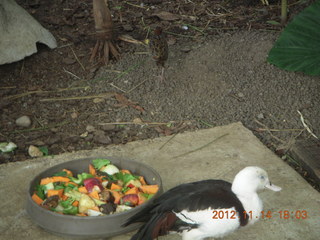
72, 217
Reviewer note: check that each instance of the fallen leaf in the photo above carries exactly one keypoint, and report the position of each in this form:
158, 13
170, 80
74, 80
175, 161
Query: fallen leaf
123, 101
137, 107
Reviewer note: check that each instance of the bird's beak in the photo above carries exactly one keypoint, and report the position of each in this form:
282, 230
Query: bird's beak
273, 187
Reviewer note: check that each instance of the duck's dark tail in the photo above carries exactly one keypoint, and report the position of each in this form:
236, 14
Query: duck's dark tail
156, 225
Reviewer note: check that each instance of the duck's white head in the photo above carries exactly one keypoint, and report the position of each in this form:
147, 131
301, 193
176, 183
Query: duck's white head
252, 179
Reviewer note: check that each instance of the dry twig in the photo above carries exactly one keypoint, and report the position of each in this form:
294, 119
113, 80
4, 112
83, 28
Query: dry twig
204, 146
102, 95
268, 130
75, 55
305, 125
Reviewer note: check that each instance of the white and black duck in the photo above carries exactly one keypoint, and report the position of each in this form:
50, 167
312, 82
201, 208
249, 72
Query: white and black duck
208, 208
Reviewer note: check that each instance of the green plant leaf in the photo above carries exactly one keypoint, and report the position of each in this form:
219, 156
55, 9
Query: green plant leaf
298, 47
44, 150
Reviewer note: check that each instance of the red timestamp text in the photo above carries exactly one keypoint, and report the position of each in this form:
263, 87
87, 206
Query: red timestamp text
283, 214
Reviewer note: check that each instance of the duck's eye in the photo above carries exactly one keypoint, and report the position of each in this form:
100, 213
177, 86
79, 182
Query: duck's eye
262, 177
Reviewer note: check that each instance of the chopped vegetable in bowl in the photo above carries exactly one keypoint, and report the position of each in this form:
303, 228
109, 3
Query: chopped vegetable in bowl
103, 190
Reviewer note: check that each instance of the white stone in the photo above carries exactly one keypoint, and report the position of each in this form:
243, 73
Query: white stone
23, 121
34, 151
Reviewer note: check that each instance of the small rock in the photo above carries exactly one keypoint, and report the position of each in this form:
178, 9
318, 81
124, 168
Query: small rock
34, 151
74, 115
240, 95
108, 127
54, 130
260, 116
90, 128
84, 135
186, 49
137, 121
98, 100
100, 137
23, 121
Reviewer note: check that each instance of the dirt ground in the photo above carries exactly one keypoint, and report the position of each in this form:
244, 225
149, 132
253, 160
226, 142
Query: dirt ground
216, 74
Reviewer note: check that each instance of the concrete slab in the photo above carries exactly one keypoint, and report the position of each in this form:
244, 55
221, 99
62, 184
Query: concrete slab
221, 159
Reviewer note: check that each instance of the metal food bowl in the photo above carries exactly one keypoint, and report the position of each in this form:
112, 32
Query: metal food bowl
89, 227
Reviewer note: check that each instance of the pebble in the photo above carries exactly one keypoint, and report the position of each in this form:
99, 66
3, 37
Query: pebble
100, 137
108, 127
98, 100
74, 115
34, 151
90, 128
260, 116
240, 95
186, 49
23, 121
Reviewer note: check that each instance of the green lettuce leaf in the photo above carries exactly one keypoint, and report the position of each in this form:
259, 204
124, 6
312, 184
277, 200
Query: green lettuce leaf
100, 162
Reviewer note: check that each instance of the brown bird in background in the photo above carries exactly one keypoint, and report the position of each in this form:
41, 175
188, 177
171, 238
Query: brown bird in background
159, 49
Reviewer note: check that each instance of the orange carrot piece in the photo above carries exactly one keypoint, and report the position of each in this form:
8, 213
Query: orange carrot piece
92, 170
115, 187
81, 215
37, 199
64, 197
47, 180
52, 192
125, 171
94, 194
142, 181
69, 173
150, 189
133, 190
83, 189
117, 196
75, 203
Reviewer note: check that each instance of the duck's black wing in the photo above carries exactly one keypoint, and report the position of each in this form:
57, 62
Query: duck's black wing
160, 218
